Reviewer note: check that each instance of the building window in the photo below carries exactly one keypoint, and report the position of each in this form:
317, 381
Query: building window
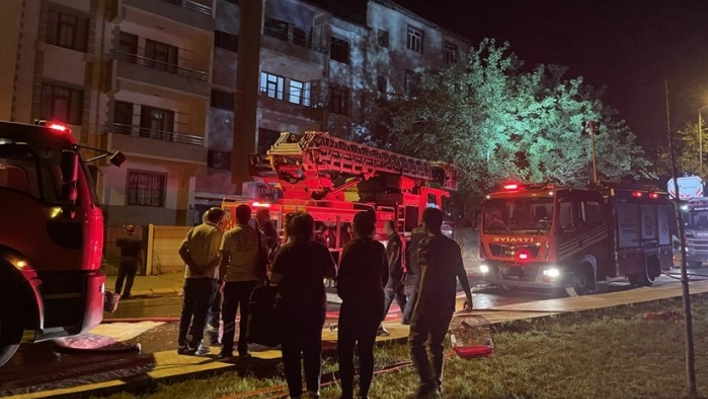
61, 104
381, 83
299, 36
156, 123
383, 38
339, 50
299, 92
146, 189
222, 99
219, 160
414, 41
272, 85
409, 84
161, 56
450, 53
66, 30
276, 28
123, 117
128, 47
227, 41
339, 100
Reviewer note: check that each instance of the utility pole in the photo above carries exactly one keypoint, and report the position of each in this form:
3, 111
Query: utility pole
690, 355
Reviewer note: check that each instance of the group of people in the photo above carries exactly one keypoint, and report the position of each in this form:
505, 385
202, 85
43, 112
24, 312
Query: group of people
369, 275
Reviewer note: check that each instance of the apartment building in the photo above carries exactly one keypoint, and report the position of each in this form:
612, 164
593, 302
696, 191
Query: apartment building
156, 79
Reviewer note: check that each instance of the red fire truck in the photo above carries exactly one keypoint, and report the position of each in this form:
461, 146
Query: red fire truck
333, 179
541, 236
51, 236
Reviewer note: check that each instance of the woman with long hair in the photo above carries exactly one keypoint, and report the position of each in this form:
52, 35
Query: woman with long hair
363, 272
299, 268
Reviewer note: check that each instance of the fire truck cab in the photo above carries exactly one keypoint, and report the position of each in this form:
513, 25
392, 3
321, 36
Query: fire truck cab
51, 235
541, 236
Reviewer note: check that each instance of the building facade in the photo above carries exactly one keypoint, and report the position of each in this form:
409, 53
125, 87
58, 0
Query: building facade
156, 79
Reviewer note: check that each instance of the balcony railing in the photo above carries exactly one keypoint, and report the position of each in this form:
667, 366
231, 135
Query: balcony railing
191, 5
163, 135
298, 38
157, 64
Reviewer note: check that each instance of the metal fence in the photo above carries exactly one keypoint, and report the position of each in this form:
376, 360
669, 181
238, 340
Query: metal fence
154, 134
159, 65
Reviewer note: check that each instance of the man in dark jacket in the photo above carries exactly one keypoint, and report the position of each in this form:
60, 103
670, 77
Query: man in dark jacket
412, 278
131, 256
396, 255
440, 261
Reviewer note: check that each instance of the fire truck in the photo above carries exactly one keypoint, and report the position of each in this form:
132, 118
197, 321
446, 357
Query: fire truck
333, 179
51, 235
694, 214
541, 236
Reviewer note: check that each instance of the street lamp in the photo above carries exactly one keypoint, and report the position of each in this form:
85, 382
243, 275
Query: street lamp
700, 140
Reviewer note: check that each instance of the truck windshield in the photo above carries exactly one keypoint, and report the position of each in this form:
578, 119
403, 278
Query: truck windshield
698, 218
31, 171
517, 216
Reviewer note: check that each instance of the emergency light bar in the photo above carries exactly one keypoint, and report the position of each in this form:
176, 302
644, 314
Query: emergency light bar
534, 186
52, 125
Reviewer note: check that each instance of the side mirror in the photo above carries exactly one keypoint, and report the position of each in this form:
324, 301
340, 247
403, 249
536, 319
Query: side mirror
117, 159
70, 175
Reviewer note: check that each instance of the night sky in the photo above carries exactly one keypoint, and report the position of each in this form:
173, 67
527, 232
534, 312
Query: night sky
629, 47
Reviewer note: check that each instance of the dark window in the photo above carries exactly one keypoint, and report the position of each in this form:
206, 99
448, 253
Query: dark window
381, 84
299, 37
450, 55
162, 56
156, 123
66, 30
276, 28
566, 219
339, 50
592, 213
61, 104
237, 2
128, 47
339, 100
219, 160
272, 85
266, 138
123, 117
227, 41
414, 41
222, 99
383, 38
146, 189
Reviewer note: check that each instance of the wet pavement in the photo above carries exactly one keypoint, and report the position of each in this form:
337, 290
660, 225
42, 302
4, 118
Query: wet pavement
43, 366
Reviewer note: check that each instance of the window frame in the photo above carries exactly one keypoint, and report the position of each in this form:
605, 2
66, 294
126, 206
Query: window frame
226, 41
222, 100
383, 38
339, 100
270, 81
450, 51
155, 50
135, 190
74, 100
65, 23
340, 50
415, 38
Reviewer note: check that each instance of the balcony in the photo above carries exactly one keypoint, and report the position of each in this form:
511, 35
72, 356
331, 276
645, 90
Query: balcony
287, 112
283, 44
155, 72
157, 143
188, 12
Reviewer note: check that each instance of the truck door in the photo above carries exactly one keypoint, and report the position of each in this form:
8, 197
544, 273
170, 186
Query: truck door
567, 229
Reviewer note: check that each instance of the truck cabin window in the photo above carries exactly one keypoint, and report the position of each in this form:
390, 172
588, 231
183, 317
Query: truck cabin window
31, 171
698, 219
517, 216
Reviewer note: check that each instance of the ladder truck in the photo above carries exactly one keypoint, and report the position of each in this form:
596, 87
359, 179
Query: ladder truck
332, 179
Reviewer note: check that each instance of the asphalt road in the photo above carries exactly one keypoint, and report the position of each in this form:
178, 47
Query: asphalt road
41, 366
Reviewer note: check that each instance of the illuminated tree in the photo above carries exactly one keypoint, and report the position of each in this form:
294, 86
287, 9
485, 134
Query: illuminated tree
496, 121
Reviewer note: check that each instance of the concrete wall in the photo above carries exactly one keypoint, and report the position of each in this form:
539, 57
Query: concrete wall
163, 246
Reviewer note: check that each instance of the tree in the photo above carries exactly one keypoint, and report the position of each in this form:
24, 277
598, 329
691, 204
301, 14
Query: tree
687, 155
495, 121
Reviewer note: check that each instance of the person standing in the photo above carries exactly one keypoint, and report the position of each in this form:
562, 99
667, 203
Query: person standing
396, 256
242, 267
200, 253
269, 234
131, 256
363, 272
412, 279
440, 261
299, 269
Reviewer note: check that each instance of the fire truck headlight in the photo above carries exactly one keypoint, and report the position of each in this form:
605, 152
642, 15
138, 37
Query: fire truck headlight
484, 269
684, 207
552, 272
20, 264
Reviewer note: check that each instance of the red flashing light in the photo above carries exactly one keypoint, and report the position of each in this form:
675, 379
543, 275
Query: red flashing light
261, 204
512, 186
637, 194
653, 195
523, 255
57, 127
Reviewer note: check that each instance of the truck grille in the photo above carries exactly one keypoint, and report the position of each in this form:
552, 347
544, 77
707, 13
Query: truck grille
510, 251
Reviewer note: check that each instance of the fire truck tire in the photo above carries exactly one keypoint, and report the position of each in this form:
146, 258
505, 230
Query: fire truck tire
11, 330
584, 279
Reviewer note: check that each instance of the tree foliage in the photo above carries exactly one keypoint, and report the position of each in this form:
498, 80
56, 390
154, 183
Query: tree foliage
686, 147
496, 121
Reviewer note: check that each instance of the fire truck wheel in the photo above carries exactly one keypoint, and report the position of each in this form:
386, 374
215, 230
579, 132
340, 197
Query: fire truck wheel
584, 279
11, 330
